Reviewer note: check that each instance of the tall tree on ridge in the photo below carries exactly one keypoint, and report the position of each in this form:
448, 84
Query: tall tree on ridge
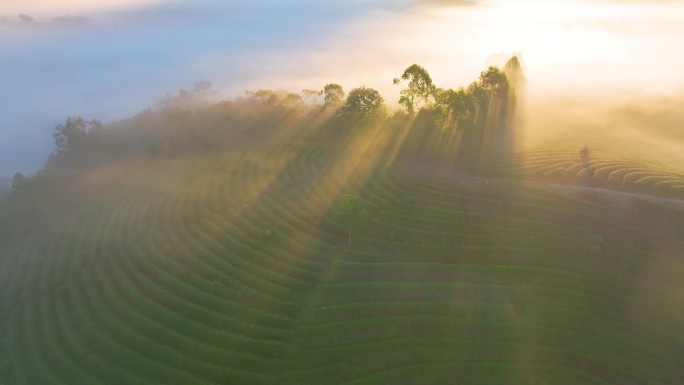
420, 87
334, 96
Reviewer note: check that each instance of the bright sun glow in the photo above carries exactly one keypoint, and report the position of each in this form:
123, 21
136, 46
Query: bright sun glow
566, 43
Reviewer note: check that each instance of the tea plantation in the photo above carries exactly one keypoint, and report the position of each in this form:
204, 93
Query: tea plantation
229, 267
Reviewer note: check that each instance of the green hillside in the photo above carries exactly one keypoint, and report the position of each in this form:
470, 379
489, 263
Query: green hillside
211, 251
228, 268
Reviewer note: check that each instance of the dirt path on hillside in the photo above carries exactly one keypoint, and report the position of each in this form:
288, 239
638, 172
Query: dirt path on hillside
610, 193
616, 196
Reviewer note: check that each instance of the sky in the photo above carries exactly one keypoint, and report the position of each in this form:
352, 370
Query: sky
132, 53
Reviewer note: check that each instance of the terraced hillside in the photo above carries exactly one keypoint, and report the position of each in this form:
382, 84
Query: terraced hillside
228, 268
632, 161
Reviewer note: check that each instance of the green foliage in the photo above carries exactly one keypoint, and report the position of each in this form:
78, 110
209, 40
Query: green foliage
350, 212
514, 73
293, 100
334, 96
74, 133
273, 98
493, 82
419, 88
482, 106
459, 104
362, 102
76, 141
350, 209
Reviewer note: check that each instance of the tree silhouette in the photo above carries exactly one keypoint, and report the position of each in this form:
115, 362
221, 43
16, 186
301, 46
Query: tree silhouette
18, 181
494, 82
73, 133
458, 104
362, 102
349, 212
514, 73
334, 96
76, 140
311, 96
420, 87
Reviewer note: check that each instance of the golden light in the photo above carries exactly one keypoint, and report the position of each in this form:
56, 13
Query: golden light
564, 45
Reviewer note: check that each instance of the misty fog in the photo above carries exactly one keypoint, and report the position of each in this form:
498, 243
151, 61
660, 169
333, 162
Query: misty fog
128, 56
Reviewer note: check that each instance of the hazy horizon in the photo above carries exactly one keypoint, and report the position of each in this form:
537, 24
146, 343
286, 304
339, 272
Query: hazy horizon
129, 56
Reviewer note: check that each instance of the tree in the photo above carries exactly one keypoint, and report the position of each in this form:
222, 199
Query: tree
77, 140
349, 212
334, 95
494, 82
18, 181
203, 90
363, 102
293, 100
420, 87
259, 95
514, 73
516, 78
458, 103
73, 133
199, 96
311, 96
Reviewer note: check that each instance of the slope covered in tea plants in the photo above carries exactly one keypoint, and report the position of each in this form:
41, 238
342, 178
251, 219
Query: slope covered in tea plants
228, 267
